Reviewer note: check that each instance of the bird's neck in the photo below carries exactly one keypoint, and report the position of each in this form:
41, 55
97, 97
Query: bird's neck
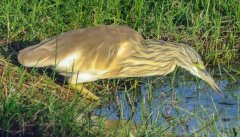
154, 58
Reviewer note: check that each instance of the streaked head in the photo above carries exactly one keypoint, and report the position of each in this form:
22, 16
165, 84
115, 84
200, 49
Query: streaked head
190, 60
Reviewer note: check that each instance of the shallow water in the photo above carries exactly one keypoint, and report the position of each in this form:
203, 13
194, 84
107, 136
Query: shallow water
188, 108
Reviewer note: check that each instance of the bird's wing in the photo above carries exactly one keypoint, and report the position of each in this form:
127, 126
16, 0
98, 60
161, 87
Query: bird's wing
92, 48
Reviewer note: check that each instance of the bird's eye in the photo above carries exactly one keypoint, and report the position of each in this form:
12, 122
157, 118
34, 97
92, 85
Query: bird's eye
199, 66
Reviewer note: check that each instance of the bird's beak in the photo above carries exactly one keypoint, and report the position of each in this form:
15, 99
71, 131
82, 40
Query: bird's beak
204, 75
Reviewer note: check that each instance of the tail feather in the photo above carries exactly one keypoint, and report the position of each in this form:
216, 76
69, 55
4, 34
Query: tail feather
34, 56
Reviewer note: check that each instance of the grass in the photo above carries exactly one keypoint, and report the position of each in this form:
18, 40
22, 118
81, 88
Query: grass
31, 103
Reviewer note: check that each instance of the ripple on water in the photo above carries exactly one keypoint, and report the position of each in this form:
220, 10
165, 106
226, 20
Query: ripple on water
194, 103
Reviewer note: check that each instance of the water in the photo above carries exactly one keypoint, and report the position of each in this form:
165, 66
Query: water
188, 108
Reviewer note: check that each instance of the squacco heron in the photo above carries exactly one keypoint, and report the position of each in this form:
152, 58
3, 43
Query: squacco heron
107, 52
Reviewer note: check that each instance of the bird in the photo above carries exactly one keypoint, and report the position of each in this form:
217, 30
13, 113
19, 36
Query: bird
112, 51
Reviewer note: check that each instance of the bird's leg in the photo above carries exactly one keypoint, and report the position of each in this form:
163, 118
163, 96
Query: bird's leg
88, 94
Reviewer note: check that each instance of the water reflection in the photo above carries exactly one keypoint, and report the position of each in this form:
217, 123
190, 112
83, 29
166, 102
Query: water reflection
186, 109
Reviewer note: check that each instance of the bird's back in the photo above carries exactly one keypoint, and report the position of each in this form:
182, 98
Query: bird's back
79, 50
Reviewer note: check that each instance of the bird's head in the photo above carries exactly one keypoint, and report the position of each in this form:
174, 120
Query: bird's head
190, 60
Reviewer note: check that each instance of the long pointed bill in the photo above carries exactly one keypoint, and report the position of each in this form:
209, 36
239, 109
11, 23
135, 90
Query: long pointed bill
204, 75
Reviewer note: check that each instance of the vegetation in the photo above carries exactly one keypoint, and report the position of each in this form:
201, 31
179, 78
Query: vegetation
36, 102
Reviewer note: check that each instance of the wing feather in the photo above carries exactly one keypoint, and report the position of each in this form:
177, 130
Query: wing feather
102, 46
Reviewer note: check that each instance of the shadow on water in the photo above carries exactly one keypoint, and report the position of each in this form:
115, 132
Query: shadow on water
189, 108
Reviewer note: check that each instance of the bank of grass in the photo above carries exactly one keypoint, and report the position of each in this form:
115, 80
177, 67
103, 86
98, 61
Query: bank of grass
212, 27
32, 104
